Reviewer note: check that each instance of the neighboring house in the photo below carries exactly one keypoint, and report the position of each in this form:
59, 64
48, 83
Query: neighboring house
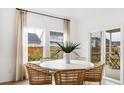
107, 42
116, 43
33, 40
96, 42
56, 37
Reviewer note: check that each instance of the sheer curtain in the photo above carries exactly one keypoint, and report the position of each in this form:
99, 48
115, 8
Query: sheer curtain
66, 31
21, 19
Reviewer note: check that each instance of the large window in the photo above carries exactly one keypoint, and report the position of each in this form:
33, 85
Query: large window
37, 41
41, 34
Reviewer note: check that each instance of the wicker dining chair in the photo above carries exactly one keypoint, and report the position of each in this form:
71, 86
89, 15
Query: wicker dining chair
69, 77
94, 74
37, 75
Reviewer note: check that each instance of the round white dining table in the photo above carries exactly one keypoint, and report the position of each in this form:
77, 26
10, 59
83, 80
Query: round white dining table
61, 65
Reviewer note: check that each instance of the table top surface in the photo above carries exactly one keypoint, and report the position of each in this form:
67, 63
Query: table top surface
61, 65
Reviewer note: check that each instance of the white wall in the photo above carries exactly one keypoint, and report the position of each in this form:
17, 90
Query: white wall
7, 45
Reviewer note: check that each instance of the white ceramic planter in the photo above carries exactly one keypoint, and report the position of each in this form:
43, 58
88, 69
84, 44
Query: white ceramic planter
67, 58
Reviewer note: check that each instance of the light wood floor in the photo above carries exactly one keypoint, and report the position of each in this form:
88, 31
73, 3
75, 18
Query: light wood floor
25, 82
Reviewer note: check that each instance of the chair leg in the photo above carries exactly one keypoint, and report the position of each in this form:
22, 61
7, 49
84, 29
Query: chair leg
100, 83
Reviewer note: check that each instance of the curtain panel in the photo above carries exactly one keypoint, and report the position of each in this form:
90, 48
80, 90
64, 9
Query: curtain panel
66, 31
21, 19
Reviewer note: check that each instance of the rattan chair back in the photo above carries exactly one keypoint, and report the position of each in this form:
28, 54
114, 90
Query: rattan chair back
69, 77
94, 74
38, 75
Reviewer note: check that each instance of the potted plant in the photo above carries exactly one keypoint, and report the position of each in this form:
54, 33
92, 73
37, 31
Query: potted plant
67, 49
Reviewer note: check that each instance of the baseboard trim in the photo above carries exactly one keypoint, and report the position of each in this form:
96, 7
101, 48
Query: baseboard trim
3, 83
9, 82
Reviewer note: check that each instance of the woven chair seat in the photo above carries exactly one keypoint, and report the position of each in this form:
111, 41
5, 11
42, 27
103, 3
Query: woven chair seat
38, 75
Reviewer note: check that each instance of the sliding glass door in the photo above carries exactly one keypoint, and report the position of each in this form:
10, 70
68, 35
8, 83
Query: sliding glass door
112, 53
108, 47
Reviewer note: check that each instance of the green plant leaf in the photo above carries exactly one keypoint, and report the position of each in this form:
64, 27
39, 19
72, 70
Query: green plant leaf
68, 48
